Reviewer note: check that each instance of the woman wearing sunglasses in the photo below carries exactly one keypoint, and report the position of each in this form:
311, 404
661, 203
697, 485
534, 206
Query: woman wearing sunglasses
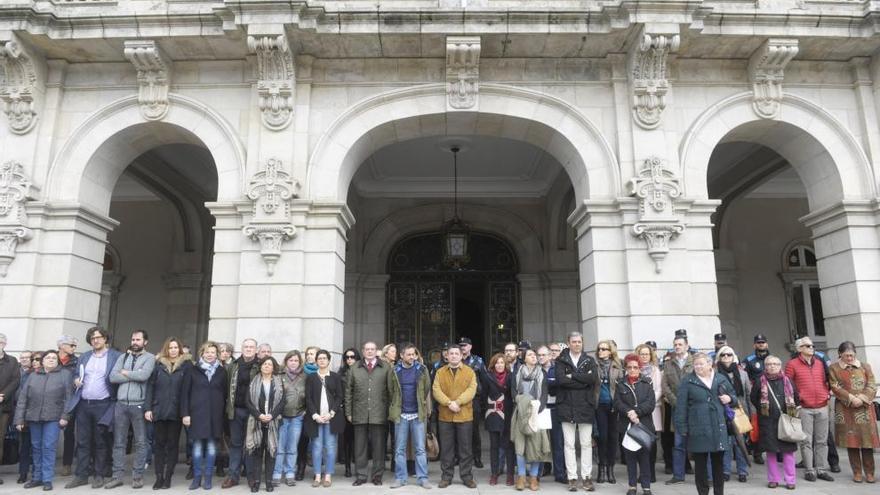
346, 439
727, 365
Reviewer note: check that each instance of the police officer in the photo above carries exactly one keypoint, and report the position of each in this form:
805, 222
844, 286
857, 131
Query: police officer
754, 362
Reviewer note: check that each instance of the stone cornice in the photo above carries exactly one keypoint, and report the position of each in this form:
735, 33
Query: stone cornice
850, 213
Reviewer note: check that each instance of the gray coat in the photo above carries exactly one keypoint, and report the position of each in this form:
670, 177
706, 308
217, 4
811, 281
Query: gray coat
43, 396
133, 388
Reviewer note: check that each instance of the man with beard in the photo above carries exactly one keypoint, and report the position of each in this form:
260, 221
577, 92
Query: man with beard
131, 372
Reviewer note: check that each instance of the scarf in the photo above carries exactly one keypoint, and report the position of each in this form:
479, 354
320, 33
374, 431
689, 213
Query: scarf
604, 368
855, 364
732, 372
310, 368
529, 382
501, 378
294, 374
632, 379
254, 427
209, 368
788, 391
647, 370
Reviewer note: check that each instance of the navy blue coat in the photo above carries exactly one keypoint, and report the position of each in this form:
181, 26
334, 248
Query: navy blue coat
204, 402
700, 415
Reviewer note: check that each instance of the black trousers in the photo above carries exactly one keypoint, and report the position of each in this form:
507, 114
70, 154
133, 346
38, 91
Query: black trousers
345, 449
638, 467
477, 438
499, 442
166, 443
456, 441
92, 442
261, 461
69, 443
667, 436
25, 461
374, 436
606, 424
701, 472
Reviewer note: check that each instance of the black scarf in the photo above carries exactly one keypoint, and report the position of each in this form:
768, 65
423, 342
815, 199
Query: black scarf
732, 372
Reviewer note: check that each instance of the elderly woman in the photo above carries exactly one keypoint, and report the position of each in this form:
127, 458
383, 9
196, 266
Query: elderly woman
651, 370
700, 417
855, 420
610, 371
635, 403
771, 390
265, 402
727, 365
41, 408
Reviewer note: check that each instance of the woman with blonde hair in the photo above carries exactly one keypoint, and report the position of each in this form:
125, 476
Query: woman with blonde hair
202, 409
610, 372
389, 354
650, 369
163, 408
727, 364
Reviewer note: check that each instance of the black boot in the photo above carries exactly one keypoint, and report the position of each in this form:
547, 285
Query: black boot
160, 480
609, 470
601, 478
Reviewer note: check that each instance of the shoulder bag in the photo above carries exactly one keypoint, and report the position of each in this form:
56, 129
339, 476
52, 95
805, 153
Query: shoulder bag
790, 428
639, 432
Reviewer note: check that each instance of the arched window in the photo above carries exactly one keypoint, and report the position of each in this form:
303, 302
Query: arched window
802, 293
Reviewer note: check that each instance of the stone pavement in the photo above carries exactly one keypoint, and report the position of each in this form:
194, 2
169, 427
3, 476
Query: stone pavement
756, 484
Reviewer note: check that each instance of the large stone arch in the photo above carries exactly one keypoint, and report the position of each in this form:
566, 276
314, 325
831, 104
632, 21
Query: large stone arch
826, 156
86, 168
505, 111
523, 238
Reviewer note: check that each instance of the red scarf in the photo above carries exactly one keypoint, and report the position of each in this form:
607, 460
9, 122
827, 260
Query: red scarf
501, 378
632, 380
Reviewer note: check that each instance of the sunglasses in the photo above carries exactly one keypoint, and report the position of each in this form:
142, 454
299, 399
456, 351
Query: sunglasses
604, 349
349, 356
726, 354
808, 346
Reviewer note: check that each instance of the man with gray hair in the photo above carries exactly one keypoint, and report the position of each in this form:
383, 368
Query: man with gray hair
239, 374
264, 350
10, 376
367, 395
67, 360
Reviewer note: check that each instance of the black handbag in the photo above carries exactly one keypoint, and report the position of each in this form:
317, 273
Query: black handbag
641, 434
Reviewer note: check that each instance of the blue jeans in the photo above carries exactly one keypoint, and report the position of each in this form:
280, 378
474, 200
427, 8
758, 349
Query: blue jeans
324, 443
741, 466
44, 445
288, 436
402, 432
679, 456
534, 467
206, 449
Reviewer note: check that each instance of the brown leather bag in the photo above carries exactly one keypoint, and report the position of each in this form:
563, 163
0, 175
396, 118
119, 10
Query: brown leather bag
432, 447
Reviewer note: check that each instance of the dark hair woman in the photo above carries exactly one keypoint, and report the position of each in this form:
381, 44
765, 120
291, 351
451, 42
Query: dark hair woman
324, 417
293, 380
41, 408
265, 403
499, 405
203, 407
346, 439
634, 402
163, 408
855, 419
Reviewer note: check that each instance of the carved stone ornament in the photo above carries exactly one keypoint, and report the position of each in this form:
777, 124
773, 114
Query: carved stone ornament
766, 74
271, 190
657, 187
153, 74
18, 86
462, 72
275, 79
15, 190
648, 77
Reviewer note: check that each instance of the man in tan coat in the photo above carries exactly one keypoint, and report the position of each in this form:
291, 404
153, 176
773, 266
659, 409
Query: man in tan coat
454, 388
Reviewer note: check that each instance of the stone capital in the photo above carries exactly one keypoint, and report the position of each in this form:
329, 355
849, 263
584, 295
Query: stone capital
657, 188
462, 72
766, 72
647, 72
15, 191
22, 84
271, 191
153, 74
275, 79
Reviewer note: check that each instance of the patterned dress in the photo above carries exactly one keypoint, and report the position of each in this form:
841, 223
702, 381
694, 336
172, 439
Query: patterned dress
856, 427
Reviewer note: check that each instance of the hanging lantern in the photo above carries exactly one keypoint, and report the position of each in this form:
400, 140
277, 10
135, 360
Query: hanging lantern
455, 232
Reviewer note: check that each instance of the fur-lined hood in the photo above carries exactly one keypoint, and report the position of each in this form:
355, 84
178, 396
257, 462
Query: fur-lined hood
172, 365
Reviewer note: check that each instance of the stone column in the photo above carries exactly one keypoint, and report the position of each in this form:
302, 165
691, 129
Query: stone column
184, 312
847, 241
365, 318
53, 287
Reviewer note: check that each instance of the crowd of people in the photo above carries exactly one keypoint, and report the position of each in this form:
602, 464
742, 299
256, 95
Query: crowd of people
544, 408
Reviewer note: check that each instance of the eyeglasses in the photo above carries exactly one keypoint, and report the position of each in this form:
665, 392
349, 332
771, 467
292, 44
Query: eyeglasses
808, 346
726, 354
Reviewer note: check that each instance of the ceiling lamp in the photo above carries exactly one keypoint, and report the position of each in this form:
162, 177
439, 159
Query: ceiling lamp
455, 232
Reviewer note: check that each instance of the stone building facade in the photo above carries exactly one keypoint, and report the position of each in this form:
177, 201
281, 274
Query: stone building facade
283, 170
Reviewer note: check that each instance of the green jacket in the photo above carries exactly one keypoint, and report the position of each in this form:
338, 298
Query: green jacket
232, 380
294, 395
423, 393
534, 446
367, 393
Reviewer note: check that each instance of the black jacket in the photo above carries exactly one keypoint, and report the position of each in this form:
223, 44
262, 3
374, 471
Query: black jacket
335, 399
768, 426
491, 392
204, 402
639, 397
10, 376
164, 389
575, 397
